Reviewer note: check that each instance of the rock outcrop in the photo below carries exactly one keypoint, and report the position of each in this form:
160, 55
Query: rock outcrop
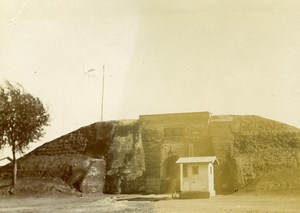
125, 160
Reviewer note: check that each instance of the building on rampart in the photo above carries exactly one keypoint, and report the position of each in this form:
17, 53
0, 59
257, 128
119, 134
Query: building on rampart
167, 137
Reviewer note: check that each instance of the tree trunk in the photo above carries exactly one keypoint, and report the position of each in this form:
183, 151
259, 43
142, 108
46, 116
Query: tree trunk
14, 170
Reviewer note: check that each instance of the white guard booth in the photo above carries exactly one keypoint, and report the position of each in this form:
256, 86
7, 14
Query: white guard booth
197, 176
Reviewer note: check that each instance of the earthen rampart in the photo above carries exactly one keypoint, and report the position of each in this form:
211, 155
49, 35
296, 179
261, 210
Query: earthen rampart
138, 156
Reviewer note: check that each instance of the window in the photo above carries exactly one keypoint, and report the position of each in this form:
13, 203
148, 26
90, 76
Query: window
195, 170
171, 132
185, 171
210, 169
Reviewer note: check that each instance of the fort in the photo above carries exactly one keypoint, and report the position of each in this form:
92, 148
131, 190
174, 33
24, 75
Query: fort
139, 156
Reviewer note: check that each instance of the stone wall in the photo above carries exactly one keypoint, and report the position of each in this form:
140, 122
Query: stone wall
221, 139
126, 160
166, 138
151, 138
92, 179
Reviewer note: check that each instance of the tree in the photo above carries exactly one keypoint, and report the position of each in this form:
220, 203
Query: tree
22, 118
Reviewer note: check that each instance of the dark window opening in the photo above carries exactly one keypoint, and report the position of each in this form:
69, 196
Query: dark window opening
195, 170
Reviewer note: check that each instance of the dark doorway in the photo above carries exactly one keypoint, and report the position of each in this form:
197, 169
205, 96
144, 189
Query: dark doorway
171, 175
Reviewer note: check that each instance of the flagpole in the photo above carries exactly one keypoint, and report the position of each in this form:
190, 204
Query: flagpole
102, 98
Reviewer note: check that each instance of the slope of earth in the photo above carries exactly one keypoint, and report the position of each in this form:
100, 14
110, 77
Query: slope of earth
76, 158
263, 156
37, 187
82, 157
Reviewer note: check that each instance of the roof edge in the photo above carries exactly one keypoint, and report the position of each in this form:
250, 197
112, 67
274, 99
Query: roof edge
199, 159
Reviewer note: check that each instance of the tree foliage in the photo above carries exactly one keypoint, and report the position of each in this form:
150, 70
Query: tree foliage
22, 118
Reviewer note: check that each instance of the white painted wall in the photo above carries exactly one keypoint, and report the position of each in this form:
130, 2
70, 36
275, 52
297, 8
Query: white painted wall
193, 182
211, 177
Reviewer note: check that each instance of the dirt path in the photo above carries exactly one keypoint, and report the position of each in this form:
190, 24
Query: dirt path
72, 204
232, 204
229, 203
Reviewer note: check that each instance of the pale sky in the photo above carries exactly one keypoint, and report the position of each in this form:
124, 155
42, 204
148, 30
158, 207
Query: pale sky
222, 56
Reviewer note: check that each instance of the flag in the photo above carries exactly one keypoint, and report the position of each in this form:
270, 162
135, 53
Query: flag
90, 72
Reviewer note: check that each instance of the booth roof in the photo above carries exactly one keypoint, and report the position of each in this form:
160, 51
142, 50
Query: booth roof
204, 159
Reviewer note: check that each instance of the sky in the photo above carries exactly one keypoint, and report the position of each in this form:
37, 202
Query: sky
160, 56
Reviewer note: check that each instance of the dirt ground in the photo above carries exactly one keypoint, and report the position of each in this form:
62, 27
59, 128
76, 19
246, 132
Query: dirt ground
232, 204
151, 203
